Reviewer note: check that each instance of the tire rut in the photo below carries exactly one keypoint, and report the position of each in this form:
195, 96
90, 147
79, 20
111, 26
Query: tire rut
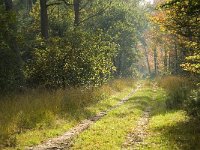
64, 142
139, 133
137, 136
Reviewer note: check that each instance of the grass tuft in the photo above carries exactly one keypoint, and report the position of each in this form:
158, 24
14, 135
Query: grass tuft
177, 88
31, 117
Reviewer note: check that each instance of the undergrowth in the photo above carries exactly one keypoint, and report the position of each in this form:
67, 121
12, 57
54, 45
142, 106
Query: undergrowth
177, 88
42, 109
182, 93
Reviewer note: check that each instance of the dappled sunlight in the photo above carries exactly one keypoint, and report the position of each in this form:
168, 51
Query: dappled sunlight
173, 130
41, 112
99, 74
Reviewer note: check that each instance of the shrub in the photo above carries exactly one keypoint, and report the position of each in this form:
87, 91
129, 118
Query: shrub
178, 89
192, 104
83, 59
11, 74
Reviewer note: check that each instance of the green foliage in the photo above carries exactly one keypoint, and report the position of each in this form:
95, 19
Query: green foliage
182, 20
124, 25
192, 104
82, 59
102, 45
192, 64
11, 76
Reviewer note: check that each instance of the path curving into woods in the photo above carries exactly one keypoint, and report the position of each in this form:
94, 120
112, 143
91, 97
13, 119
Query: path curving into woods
139, 133
64, 141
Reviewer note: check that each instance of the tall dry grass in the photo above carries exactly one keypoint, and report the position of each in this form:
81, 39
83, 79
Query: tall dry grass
178, 89
41, 108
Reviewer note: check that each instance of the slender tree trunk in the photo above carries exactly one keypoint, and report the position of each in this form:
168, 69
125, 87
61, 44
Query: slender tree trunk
29, 5
146, 54
176, 58
165, 60
155, 61
147, 59
11, 38
118, 64
44, 19
169, 62
8, 5
76, 12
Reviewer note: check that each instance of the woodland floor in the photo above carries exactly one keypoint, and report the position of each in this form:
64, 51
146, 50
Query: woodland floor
139, 121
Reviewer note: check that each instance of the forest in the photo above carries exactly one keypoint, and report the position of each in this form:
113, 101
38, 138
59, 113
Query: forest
99, 74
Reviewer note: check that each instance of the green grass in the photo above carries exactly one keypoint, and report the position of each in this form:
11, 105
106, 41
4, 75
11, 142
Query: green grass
111, 131
167, 129
31, 118
170, 129
36, 136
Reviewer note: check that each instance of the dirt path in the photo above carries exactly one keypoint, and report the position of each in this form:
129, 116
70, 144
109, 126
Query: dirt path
63, 142
139, 133
137, 136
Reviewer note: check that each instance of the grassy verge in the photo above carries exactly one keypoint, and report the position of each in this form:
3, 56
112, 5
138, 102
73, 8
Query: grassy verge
170, 129
111, 131
30, 118
167, 129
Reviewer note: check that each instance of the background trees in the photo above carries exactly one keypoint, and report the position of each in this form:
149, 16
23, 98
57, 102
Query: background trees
87, 42
61, 43
180, 20
11, 75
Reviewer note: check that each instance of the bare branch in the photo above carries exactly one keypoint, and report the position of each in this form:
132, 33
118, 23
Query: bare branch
53, 4
97, 14
59, 2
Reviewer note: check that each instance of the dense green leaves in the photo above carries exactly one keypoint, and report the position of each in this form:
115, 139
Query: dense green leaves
85, 46
11, 76
87, 59
182, 19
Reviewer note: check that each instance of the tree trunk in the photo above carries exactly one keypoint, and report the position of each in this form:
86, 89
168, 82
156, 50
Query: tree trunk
142, 40
155, 61
169, 62
165, 60
147, 59
76, 12
44, 19
8, 5
176, 58
11, 38
29, 5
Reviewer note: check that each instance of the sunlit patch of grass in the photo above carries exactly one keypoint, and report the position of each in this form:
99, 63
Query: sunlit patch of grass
111, 131
29, 118
34, 137
170, 130
106, 133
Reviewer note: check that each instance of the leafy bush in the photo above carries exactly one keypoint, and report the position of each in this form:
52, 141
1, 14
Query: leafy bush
82, 59
192, 104
11, 76
178, 89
